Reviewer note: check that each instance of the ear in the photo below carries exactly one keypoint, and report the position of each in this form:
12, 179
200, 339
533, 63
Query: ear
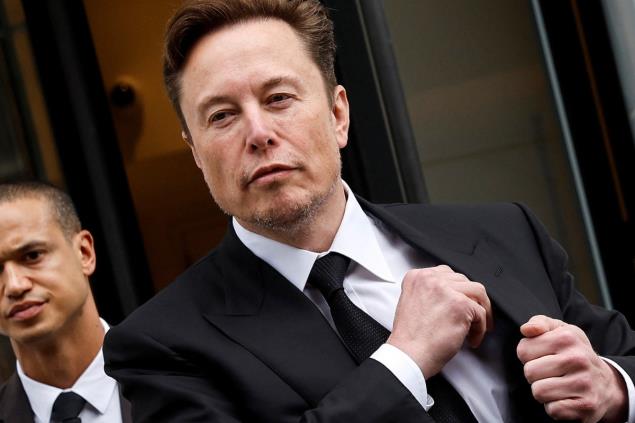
189, 142
85, 248
186, 138
341, 116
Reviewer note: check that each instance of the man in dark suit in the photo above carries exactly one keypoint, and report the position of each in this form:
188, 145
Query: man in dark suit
48, 312
321, 307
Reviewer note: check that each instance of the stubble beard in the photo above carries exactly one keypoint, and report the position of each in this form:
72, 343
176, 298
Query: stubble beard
293, 218
286, 217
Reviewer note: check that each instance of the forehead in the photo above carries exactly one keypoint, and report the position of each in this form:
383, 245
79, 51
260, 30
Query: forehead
25, 218
246, 52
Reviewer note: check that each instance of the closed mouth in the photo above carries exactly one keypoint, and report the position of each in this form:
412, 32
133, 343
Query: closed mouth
25, 309
268, 170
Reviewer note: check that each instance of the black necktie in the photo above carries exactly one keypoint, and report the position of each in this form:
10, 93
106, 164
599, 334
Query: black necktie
67, 407
362, 335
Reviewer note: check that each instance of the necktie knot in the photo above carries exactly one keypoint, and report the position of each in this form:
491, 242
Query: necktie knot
328, 273
361, 334
67, 407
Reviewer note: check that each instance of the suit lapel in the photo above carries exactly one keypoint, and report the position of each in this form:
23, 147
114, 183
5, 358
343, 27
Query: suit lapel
472, 257
271, 318
14, 404
478, 261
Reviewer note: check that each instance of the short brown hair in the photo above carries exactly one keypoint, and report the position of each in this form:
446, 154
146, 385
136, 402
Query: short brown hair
197, 18
60, 203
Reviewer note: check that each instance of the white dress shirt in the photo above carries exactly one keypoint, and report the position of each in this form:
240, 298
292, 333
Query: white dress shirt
379, 261
98, 389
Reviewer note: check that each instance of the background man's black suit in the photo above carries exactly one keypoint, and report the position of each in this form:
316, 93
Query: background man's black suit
232, 340
15, 406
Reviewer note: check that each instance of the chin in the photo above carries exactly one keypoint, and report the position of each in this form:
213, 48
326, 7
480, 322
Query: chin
35, 333
29, 336
289, 213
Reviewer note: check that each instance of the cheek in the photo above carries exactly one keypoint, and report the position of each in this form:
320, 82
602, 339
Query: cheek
324, 143
221, 155
219, 171
74, 297
69, 283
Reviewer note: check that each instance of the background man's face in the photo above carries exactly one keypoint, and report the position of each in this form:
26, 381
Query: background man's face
262, 130
43, 275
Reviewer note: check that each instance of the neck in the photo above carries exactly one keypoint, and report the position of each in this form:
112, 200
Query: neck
317, 233
60, 361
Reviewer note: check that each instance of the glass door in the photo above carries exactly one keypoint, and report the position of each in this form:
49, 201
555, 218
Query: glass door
486, 125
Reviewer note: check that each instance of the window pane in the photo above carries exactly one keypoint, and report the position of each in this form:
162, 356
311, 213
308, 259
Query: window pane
483, 115
620, 16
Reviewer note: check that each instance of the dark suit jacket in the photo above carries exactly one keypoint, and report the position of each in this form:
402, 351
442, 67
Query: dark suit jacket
232, 340
15, 406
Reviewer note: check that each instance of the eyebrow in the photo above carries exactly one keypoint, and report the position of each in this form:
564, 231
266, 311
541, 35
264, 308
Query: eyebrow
279, 80
22, 249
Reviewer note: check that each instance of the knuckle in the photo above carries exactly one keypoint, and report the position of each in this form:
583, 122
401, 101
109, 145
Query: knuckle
521, 351
567, 409
413, 274
538, 392
444, 267
480, 313
577, 360
528, 370
557, 411
419, 276
585, 405
408, 280
459, 302
414, 278
577, 331
566, 337
461, 276
480, 288
585, 382
553, 410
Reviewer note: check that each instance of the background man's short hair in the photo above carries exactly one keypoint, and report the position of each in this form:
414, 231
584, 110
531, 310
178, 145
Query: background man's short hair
59, 202
197, 18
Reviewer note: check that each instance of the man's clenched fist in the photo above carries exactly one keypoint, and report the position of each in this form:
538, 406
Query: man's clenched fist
567, 376
438, 310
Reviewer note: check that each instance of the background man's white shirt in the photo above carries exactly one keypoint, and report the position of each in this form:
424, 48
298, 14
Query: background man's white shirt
98, 389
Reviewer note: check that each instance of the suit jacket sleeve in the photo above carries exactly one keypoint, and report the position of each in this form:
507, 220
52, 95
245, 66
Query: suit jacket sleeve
163, 387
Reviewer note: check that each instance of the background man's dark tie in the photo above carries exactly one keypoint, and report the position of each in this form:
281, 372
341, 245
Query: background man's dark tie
67, 407
363, 335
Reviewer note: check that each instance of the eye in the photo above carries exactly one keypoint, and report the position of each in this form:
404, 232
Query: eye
32, 256
219, 116
278, 98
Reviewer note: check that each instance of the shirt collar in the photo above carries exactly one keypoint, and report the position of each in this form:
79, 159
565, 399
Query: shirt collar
93, 385
355, 238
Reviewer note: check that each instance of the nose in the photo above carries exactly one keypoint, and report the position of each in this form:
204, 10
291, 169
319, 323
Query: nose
16, 284
259, 135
